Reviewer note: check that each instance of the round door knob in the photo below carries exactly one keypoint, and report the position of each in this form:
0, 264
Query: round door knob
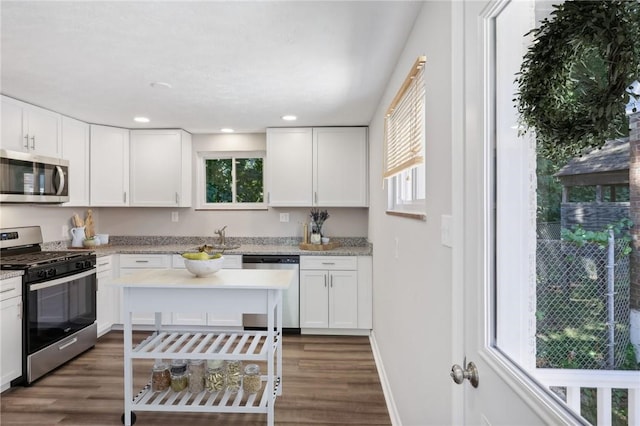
458, 374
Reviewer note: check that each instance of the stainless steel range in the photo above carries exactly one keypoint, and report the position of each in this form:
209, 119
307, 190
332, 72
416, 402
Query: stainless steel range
59, 300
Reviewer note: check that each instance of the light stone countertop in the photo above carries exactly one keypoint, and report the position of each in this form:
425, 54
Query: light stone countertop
177, 245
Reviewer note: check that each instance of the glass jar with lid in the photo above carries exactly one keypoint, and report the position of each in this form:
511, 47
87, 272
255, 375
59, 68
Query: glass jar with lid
196, 372
234, 375
215, 379
179, 377
251, 381
160, 377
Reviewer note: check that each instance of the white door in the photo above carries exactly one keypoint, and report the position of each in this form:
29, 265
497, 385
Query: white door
505, 395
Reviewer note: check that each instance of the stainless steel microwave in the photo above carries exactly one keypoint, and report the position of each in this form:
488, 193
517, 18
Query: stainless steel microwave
30, 178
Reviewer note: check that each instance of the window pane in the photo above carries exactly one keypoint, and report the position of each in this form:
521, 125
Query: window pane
249, 188
218, 181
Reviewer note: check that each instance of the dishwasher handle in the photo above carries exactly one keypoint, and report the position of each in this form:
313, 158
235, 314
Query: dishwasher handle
271, 259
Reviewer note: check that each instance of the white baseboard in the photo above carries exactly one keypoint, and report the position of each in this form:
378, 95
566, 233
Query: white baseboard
386, 389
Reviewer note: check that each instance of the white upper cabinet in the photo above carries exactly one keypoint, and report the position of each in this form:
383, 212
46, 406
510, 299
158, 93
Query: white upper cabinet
75, 149
109, 166
160, 171
324, 167
28, 128
289, 172
340, 167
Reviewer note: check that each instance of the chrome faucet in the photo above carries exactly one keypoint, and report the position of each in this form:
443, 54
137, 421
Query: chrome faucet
220, 233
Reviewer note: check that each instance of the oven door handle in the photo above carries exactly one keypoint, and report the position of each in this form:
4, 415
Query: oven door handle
62, 280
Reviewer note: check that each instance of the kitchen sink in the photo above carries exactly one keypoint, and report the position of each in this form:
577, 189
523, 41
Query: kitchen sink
225, 246
219, 247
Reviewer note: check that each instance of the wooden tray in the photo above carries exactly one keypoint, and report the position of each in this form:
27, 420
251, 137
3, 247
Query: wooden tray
89, 248
318, 247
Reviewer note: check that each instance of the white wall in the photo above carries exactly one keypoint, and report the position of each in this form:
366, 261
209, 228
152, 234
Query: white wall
344, 222
412, 293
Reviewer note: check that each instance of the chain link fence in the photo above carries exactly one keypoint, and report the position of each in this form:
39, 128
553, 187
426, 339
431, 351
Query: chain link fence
582, 304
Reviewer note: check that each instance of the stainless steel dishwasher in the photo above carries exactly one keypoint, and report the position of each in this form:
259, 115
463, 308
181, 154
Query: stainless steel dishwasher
290, 297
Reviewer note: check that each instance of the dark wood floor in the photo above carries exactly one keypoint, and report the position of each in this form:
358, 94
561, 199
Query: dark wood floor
327, 380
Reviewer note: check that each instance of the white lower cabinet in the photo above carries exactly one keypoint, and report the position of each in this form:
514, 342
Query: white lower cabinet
106, 296
132, 263
10, 331
333, 295
219, 318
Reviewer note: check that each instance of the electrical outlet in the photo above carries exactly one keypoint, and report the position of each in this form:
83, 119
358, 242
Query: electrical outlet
175, 217
65, 231
284, 217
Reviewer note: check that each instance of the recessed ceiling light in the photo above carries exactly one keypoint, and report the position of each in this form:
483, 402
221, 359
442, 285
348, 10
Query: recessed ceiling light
161, 85
289, 117
141, 119
227, 130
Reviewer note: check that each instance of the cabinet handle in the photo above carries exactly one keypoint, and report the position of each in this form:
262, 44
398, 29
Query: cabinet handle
33, 142
268, 197
177, 198
8, 290
142, 261
26, 138
124, 197
315, 197
328, 263
325, 280
103, 264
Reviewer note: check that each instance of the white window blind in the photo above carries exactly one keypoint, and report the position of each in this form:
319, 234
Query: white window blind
404, 124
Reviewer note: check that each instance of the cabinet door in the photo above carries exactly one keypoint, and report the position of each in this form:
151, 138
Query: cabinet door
10, 340
105, 302
156, 168
109, 166
340, 167
343, 299
314, 302
28, 128
45, 130
75, 149
289, 173
14, 135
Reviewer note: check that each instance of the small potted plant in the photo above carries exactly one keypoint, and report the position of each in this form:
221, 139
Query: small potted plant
317, 220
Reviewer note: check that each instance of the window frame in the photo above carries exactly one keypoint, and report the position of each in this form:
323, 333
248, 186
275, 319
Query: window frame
203, 156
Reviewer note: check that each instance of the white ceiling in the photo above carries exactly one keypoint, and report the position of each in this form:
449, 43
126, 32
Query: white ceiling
231, 63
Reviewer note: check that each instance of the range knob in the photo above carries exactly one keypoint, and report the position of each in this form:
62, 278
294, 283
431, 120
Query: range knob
51, 272
87, 264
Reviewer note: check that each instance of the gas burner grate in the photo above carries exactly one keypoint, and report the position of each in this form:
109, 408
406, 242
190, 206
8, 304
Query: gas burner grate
26, 260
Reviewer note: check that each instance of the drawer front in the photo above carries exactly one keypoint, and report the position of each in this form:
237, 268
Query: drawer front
145, 261
103, 263
232, 261
343, 263
11, 287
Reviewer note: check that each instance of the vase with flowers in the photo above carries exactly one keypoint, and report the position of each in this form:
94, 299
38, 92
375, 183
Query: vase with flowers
317, 220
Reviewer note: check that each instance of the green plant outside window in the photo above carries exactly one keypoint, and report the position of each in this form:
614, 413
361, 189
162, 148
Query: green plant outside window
234, 180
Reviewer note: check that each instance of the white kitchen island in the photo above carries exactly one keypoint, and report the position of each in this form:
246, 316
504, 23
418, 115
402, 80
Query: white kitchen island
228, 290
